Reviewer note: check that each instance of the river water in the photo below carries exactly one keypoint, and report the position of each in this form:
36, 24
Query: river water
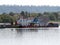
39, 36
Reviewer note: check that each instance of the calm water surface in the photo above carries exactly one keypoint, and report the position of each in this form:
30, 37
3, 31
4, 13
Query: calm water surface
40, 36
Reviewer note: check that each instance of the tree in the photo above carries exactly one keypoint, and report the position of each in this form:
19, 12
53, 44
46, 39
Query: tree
39, 14
5, 18
4, 13
56, 15
46, 13
52, 17
22, 13
26, 14
11, 13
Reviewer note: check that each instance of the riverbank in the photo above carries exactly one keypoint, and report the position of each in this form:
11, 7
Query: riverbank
58, 22
9, 25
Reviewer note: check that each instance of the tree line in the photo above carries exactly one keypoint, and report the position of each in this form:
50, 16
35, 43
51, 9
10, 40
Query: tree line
12, 17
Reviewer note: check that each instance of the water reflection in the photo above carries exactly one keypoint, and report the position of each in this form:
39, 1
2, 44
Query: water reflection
37, 36
26, 30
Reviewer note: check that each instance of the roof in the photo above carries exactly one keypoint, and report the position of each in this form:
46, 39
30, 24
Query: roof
41, 19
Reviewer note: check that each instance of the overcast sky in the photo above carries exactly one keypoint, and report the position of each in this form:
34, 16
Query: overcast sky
30, 2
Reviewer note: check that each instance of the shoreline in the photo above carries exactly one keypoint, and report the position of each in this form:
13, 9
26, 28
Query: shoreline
58, 22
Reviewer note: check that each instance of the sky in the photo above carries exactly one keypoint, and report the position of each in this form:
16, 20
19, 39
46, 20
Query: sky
30, 2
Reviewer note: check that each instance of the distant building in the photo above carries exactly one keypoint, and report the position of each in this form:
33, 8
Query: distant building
42, 20
24, 21
5, 23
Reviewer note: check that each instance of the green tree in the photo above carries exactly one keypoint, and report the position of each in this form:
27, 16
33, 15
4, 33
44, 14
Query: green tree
26, 14
39, 14
56, 15
4, 13
52, 17
22, 13
11, 13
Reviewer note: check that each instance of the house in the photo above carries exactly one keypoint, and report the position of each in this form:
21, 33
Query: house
24, 21
5, 25
41, 21
38, 21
